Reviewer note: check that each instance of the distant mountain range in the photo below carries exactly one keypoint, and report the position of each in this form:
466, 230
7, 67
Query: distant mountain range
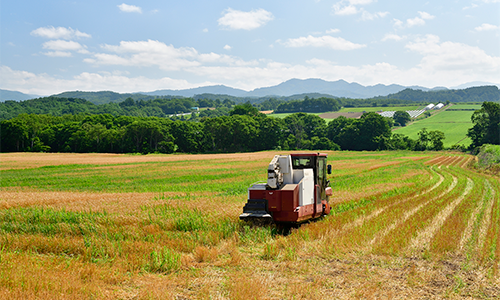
13, 95
339, 88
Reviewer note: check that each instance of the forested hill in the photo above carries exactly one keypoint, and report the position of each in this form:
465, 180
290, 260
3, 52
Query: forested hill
473, 94
103, 97
56, 106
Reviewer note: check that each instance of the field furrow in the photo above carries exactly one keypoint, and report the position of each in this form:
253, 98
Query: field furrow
476, 216
361, 220
406, 213
422, 240
486, 221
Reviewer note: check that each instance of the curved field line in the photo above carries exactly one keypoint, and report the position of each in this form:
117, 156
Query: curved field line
467, 234
435, 160
447, 160
466, 162
457, 161
361, 220
485, 224
422, 240
406, 216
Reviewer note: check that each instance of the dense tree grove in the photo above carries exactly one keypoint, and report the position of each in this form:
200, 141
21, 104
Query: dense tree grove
486, 129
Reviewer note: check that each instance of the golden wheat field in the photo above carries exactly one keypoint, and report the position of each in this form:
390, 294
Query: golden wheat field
404, 225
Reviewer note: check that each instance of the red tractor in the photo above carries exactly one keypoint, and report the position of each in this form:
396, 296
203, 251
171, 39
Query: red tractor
296, 191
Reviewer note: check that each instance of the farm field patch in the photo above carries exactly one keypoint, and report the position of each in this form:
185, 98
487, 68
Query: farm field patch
466, 106
453, 123
380, 108
403, 225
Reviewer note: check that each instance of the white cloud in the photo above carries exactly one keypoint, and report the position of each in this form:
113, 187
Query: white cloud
62, 48
235, 19
487, 27
129, 8
333, 30
345, 10
62, 45
327, 41
360, 2
52, 32
398, 23
426, 16
366, 16
227, 47
473, 5
44, 84
58, 54
392, 36
454, 59
417, 21
350, 7
153, 53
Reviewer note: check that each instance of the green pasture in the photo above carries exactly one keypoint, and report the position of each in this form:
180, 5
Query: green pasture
466, 106
454, 124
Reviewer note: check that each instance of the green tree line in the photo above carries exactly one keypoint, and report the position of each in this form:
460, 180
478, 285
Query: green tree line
245, 129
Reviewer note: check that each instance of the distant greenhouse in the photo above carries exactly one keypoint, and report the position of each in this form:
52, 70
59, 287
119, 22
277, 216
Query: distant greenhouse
413, 113
439, 106
429, 107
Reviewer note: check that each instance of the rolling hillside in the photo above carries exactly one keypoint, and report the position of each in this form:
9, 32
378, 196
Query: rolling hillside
454, 124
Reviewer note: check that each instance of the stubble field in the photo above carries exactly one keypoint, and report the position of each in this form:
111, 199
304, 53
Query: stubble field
404, 225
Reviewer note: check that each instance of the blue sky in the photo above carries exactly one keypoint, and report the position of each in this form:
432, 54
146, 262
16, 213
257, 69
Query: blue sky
53, 46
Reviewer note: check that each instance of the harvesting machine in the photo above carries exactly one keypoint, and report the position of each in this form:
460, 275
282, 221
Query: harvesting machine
296, 191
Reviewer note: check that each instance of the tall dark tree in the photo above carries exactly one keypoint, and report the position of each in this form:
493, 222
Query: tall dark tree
401, 118
486, 128
436, 138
